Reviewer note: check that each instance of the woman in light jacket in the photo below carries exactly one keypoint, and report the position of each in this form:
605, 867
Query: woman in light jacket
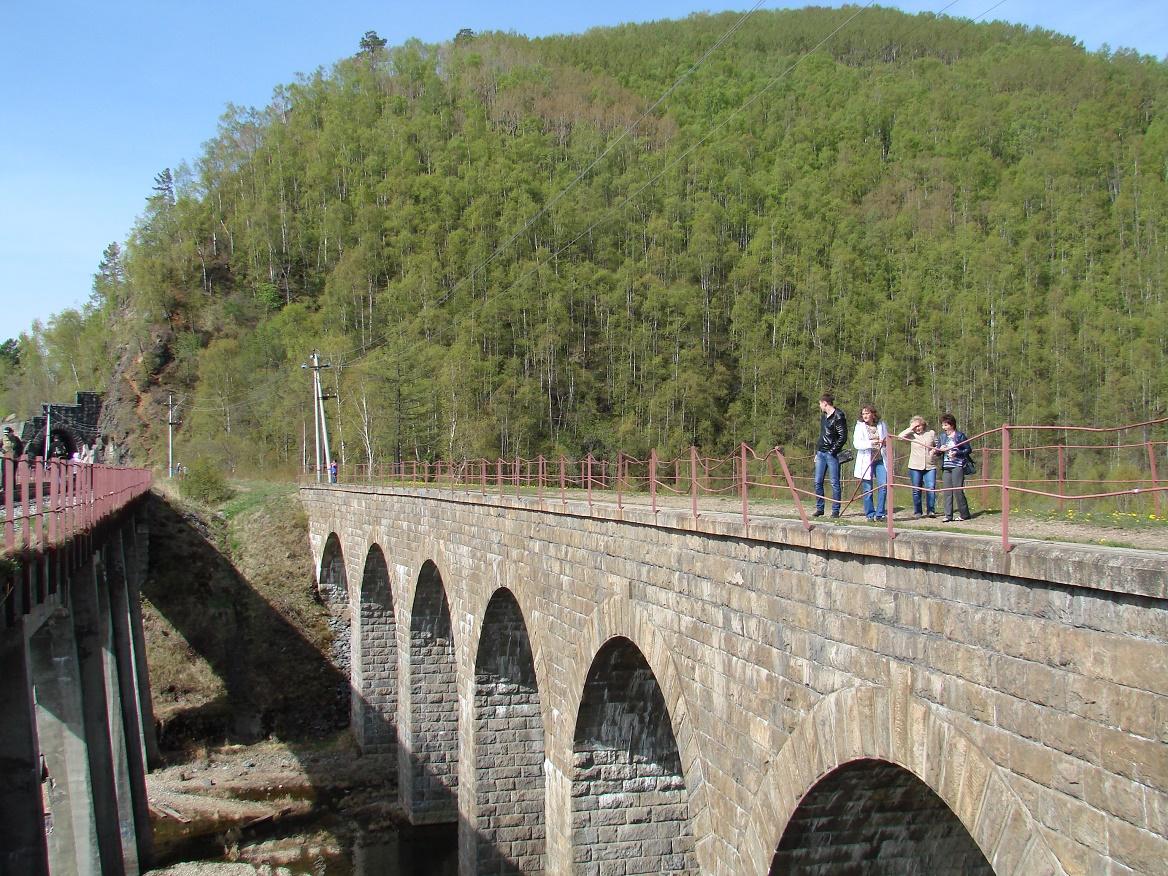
868, 439
922, 466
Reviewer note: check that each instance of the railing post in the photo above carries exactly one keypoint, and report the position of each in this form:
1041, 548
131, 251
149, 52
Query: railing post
37, 479
563, 485
54, 527
9, 463
1061, 468
653, 481
588, 463
889, 469
620, 456
985, 477
791, 487
499, 475
1006, 487
516, 473
742, 481
693, 479
1155, 478
542, 471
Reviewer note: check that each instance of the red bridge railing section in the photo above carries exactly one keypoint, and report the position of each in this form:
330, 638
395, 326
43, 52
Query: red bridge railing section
46, 504
1048, 466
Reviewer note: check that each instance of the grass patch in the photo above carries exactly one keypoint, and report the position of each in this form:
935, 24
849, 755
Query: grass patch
251, 494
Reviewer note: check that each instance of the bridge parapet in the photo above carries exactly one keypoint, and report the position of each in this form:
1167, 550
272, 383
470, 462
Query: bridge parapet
1024, 690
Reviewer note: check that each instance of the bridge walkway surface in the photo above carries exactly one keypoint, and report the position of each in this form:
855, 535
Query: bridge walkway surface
593, 689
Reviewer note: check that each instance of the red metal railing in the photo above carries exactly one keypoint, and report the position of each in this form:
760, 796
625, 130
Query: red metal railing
1084, 465
47, 504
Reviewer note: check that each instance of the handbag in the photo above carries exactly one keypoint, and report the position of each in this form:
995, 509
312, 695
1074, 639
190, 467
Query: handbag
969, 466
845, 456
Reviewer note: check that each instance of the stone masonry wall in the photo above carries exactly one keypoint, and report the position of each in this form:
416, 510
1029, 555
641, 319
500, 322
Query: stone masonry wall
879, 820
432, 753
509, 746
1028, 690
630, 810
374, 705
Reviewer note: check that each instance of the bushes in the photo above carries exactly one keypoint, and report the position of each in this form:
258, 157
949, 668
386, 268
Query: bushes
203, 482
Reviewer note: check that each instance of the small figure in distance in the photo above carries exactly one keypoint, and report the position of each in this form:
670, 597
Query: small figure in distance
868, 439
833, 433
12, 444
333, 472
922, 467
954, 449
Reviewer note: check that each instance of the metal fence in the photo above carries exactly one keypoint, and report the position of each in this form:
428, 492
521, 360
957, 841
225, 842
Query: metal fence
45, 504
1038, 466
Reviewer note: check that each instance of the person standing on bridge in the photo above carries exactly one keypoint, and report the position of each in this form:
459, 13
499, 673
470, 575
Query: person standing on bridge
922, 467
333, 469
870, 468
954, 450
833, 433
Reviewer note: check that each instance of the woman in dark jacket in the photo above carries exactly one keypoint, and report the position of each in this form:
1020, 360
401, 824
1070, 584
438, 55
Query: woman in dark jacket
953, 448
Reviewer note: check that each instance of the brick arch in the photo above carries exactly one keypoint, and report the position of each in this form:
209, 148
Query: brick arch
428, 756
617, 617
870, 723
373, 711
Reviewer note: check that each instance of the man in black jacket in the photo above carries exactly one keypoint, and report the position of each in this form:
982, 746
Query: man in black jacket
833, 433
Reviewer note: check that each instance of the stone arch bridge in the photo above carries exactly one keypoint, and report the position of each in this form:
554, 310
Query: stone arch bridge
594, 690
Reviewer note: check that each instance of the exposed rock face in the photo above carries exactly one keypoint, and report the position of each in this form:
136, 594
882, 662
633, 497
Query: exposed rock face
135, 410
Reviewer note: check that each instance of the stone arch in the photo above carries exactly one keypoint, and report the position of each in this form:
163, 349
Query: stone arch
332, 584
879, 820
428, 757
509, 746
373, 710
617, 617
629, 802
875, 725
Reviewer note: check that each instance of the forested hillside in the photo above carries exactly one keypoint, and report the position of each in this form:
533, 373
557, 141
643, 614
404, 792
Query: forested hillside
511, 246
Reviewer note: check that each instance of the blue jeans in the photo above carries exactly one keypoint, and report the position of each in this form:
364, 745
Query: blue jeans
926, 478
880, 475
825, 462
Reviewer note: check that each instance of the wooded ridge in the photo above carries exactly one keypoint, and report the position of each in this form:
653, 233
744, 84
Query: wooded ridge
512, 246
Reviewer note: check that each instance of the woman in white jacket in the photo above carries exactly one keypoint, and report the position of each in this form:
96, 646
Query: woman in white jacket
868, 439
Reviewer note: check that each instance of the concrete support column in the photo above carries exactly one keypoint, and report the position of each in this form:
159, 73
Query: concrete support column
130, 698
117, 845
65, 781
136, 540
23, 849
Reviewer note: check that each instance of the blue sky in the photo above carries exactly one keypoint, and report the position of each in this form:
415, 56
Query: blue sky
98, 97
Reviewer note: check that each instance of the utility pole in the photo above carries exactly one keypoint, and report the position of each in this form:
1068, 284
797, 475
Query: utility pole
171, 422
318, 408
